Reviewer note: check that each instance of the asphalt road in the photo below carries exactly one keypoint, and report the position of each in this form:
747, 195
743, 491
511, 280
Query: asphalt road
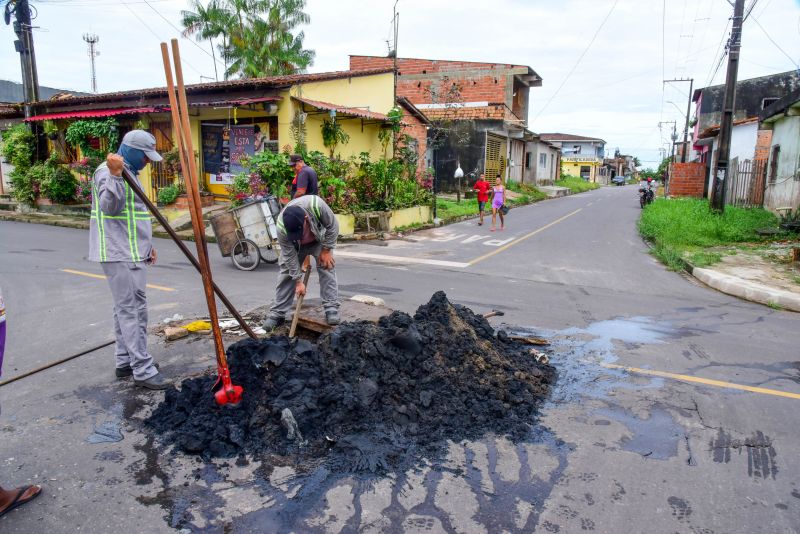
662, 448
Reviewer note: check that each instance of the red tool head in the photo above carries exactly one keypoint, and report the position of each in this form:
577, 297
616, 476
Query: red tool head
228, 395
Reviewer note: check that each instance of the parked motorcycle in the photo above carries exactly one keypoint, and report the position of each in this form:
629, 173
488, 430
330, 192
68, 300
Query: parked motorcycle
646, 196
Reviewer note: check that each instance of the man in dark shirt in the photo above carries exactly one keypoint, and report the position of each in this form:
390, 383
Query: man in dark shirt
305, 178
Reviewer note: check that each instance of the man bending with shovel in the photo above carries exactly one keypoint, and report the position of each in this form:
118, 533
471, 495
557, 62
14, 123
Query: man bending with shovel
307, 228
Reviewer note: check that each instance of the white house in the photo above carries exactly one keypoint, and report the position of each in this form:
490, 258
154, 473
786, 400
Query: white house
783, 169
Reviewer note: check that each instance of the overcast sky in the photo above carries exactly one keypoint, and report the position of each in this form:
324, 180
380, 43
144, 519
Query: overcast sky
614, 93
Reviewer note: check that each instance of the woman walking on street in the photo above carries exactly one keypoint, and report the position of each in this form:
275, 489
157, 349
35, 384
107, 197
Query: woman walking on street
498, 201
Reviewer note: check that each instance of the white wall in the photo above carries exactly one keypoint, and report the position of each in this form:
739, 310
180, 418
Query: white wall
743, 141
785, 190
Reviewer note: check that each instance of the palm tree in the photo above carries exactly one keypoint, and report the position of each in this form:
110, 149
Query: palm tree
208, 22
257, 35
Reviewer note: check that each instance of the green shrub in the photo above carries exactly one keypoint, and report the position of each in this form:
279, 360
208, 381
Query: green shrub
58, 183
576, 184
168, 194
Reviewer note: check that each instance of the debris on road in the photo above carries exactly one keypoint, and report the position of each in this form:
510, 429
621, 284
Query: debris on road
198, 326
171, 333
366, 394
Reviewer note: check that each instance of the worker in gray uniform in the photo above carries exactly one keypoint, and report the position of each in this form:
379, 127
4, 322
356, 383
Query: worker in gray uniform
307, 227
120, 238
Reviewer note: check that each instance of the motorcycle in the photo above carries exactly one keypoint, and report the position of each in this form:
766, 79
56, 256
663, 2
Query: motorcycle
646, 196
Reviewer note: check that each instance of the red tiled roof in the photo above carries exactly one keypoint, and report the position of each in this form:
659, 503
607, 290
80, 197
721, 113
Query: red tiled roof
92, 113
567, 137
356, 112
247, 83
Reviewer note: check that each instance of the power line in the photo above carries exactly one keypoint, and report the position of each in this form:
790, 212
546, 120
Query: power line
156, 35
721, 58
771, 40
180, 32
575, 66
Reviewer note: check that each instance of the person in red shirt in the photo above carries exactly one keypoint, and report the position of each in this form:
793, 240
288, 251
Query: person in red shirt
482, 187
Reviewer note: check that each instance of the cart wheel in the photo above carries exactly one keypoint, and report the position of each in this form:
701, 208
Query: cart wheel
245, 255
270, 253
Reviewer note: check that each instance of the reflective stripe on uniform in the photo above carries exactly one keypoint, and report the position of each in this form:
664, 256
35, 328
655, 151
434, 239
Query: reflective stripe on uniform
101, 229
315, 206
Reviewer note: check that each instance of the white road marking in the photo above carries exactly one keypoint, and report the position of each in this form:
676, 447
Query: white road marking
400, 259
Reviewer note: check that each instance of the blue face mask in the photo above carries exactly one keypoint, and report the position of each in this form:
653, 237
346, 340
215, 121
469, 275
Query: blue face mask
134, 158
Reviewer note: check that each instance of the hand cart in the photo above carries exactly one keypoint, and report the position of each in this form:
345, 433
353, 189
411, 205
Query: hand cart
248, 233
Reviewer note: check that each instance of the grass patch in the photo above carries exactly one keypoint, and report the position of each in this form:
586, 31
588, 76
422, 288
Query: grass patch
412, 226
576, 185
449, 209
529, 191
704, 259
678, 225
774, 305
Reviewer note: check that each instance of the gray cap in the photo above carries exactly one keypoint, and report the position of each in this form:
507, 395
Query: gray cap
143, 141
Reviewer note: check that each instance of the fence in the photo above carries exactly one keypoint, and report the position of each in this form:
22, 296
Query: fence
746, 182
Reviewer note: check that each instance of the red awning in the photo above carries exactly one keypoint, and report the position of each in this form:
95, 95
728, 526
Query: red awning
93, 113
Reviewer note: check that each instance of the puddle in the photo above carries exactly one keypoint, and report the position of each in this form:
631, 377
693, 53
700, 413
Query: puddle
106, 432
578, 354
656, 437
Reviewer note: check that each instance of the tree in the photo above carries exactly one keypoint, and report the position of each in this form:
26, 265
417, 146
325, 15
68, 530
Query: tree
636, 162
258, 36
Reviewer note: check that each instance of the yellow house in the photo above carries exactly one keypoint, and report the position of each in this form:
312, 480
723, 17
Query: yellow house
237, 117
587, 167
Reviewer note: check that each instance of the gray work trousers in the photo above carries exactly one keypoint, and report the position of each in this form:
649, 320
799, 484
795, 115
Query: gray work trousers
284, 291
127, 281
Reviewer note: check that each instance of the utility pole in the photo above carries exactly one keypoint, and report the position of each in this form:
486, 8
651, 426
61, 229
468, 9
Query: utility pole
24, 45
92, 40
720, 168
688, 110
396, 22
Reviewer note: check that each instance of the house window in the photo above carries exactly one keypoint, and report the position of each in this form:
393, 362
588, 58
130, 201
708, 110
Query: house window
766, 102
576, 149
542, 160
773, 163
527, 160
586, 172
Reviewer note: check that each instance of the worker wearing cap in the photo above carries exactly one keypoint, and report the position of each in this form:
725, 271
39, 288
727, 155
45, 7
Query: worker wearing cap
305, 178
120, 238
307, 227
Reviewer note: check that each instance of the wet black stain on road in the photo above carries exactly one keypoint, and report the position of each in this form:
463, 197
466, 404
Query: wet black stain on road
680, 508
761, 454
619, 492
41, 250
721, 447
796, 494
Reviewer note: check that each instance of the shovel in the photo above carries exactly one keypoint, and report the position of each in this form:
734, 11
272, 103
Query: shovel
296, 316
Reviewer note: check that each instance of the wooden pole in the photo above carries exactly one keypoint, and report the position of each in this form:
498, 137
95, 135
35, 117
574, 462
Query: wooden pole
128, 177
193, 194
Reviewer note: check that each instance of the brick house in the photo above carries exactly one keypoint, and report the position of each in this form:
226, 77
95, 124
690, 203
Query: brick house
478, 112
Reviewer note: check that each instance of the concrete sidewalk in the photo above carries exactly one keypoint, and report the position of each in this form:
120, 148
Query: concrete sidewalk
753, 278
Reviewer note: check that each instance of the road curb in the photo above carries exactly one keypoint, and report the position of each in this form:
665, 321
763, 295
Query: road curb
746, 289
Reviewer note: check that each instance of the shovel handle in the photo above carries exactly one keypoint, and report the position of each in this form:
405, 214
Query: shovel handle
299, 304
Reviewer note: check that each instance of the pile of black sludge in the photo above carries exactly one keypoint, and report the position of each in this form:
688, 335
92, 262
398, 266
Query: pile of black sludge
365, 394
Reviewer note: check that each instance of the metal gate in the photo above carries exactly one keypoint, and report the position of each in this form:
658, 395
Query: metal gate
496, 148
746, 182
159, 176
